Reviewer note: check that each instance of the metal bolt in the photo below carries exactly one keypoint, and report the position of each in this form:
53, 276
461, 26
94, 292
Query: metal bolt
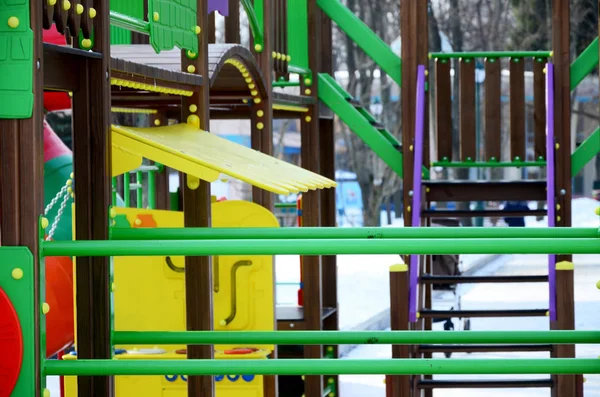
38, 64
410, 193
563, 192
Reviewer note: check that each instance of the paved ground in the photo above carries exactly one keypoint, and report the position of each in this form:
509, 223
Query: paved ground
506, 296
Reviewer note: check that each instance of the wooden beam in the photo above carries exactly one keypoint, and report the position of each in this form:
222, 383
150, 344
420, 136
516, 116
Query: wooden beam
197, 213
564, 385
22, 181
91, 163
232, 23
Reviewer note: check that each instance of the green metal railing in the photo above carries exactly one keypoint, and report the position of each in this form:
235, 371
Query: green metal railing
255, 20
322, 247
129, 23
352, 337
584, 64
351, 233
488, 164
585, 152
552, 366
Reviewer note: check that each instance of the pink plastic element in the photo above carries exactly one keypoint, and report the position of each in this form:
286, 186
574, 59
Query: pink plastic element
53, 146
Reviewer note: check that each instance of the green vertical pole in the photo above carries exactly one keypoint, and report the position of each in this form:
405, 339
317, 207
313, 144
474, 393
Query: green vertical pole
140, 189
152, 190
127, 189
114, 191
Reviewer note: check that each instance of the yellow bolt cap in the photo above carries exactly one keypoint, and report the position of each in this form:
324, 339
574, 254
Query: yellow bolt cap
92, 13
308, 119
51, 2
197, 29
260, 113
113, 287
597, 211
44, 223
138, 222
194, 120
307, 91
598, 284
13, 22
79, 9
157, 122
260, 126
257, 100
156, 16
86, 43
113, 213
45, 308
46, 393
191, 69
193, 108
17, 273
66, 5
258, 47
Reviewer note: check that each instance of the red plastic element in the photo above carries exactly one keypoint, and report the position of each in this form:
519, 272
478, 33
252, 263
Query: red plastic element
241, 350
11, 346
147, 221
59, 296
55, 100
53, 146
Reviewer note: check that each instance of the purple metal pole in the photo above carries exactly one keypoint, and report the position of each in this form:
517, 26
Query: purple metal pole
550, 185
219, 5
417, 187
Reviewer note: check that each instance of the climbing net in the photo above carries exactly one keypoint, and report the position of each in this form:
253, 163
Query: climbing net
63, 195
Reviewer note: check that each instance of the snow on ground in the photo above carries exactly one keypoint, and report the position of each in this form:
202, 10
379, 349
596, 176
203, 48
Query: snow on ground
505, 296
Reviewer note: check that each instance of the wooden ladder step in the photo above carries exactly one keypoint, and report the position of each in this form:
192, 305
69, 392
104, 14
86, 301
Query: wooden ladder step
480, 213
444, 191
483, 348
428, 313
439, 280
483, 384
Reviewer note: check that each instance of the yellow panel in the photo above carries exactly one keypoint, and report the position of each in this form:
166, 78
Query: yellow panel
185, 148
123, 160
252, 281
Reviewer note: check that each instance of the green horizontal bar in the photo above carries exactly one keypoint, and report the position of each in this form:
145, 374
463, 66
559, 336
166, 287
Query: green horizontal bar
449, 246
490, 54
584, 64
286, 84
299, 70
585, 152
129, 23
488, 164
352, 337
551, 366
199, 233
286, 205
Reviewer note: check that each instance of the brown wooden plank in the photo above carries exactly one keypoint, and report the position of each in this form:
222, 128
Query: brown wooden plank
539, 108
197, 213
232, 23
517, 109
493, 110
399, 385
91, 160
443, 108
486, 190
468, 139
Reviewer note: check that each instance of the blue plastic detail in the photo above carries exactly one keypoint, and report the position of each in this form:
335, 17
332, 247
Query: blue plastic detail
233, 378
219, 378
248, 378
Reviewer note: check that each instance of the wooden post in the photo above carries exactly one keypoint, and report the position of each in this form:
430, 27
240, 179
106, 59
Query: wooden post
163, 196
232, 23
311, 216
92, 169
197, 213
399, 385
22, 178
328, 205
564, 385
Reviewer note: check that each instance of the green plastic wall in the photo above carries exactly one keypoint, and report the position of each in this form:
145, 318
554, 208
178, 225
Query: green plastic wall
133, 8
298, 32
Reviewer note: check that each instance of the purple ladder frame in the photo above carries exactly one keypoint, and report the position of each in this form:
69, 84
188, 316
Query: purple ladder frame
219, 5
417, 188
550, 183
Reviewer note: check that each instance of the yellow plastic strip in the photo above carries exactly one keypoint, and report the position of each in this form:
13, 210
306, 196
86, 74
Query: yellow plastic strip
565, 265
399, 268
133, 110
290, 108
149, 87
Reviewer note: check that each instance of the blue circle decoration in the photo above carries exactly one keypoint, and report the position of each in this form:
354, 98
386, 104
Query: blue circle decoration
171, 378
233, 378
248, 378
219, 378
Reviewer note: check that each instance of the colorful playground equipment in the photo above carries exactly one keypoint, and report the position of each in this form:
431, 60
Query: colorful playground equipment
181, 302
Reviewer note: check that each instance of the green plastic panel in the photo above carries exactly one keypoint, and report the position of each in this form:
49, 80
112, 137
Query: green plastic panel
298, 33
20, 293
584, 64
16, 60
175, 25
132, 8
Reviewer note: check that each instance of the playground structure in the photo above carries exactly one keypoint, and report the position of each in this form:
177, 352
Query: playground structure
162, 62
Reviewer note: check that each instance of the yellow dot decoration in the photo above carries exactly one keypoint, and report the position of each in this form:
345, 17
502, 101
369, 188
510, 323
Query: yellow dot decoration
260, 126
274, 54
197, 29
191, 69
254, 93
52, 3
45, 308
66, 5
257, 100
46, 393
252, 86
13, 22
288, 58
308, 119
92, 13
191, 54
194, 120
307, 81
79, 9
44, 223
138, 222
597, 211
17, 273
157, 122
258, 47
193, 108
155, 16
598, 284
260, 113
244, 101
150, 87
307, 91
86, 43
113, 287
113, 213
